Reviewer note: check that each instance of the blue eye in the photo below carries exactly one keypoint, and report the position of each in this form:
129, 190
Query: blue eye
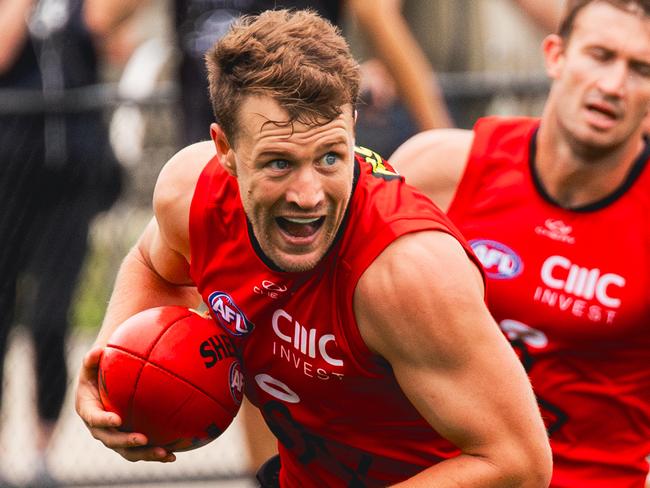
330, 159
279, 164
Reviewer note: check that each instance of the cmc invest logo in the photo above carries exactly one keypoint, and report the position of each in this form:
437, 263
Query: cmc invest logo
559, 273
228, 315
499, 261
307, 341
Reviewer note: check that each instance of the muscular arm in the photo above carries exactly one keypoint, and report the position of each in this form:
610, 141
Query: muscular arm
434, 161
453, 363
151, 266
545, 13
155, 272
391, 38
13, 29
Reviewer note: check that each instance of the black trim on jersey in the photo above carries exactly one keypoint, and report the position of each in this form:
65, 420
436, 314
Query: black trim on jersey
266, 260
258, 250
637, 168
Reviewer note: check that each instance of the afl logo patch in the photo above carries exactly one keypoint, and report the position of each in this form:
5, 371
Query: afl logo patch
236, 382
499, 261
228, 315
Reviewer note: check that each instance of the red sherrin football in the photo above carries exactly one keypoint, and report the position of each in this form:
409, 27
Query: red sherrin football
173, 375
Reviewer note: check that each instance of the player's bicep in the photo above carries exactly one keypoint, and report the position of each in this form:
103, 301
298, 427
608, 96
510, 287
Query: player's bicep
160, 257
447, 353
166, 243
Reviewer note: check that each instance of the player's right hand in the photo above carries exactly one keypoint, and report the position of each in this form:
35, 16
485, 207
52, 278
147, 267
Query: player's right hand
104, 425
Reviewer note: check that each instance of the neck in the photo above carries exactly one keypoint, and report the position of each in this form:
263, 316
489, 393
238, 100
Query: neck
576, 176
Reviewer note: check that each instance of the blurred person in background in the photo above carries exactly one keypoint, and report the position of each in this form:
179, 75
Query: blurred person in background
399, 68
57, 172
558, 210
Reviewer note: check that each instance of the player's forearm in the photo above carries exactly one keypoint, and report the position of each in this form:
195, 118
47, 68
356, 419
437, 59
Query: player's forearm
415, 80
394, 44
13, 29
544, 13
138, 287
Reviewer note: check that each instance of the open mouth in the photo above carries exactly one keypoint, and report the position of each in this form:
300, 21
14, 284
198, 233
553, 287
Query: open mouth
300, 226
603, 110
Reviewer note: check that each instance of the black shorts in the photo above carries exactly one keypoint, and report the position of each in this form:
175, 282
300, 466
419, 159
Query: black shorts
269, 473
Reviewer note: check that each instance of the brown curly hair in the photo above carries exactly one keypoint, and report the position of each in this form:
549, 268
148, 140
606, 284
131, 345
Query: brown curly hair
296, 57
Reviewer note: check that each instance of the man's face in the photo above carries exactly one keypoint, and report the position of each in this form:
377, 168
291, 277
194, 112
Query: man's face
601, 88
295, 181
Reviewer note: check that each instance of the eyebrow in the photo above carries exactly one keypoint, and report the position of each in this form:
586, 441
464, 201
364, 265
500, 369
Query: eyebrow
327, 144
273, 153
639, 63
337, 140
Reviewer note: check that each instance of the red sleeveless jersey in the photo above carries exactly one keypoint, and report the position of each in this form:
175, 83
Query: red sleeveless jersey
570, 290
337, 410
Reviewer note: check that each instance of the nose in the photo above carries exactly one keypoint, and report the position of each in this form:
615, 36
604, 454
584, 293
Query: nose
306, 188
613, 79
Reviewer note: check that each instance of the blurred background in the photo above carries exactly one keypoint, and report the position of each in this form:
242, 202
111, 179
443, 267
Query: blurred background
111, 130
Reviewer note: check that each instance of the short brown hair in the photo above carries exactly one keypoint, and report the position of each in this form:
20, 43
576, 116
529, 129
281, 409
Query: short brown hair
296, 57
641, 7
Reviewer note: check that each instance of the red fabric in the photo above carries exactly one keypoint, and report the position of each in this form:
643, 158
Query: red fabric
570, 288
339, 414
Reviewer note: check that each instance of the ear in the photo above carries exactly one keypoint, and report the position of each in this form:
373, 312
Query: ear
225, 151
553, 47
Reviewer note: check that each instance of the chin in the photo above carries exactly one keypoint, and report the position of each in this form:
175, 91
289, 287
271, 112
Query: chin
589, 140
296, 263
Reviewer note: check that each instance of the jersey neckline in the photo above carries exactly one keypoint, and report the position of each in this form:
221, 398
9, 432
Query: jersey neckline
635, 172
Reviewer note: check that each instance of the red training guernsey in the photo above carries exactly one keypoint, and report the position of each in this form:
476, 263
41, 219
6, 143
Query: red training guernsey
337, 410
570, 290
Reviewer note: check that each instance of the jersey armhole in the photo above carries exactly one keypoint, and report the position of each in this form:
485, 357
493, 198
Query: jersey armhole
365, 359
197, 218
471, 176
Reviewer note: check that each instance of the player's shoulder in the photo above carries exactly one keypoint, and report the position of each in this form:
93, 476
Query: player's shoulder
179, 175
434, 144
427, 271
434, 161
189, 161
432, 259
